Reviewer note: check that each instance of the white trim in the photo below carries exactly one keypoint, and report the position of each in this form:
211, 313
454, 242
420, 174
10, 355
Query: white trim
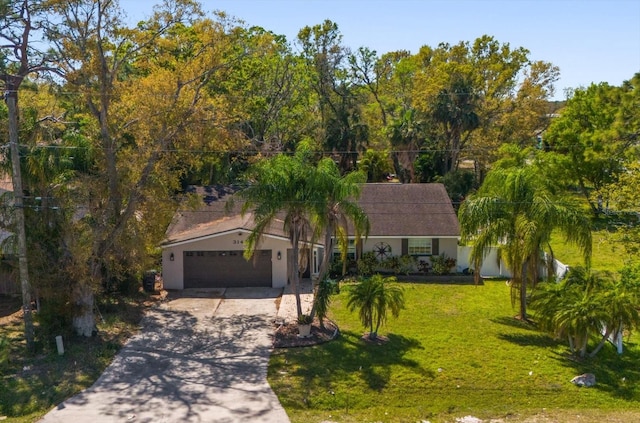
408, 236
216, 235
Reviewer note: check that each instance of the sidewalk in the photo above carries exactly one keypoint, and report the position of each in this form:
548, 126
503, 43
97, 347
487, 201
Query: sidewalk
287, 311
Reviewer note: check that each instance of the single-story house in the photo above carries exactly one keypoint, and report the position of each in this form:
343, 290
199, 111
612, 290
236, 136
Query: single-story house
409, 219
204, 246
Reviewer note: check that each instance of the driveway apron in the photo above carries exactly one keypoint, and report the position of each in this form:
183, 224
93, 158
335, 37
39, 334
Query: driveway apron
195, 360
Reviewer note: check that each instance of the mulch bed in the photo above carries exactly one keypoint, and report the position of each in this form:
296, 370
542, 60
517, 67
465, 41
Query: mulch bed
286, 335
378, 340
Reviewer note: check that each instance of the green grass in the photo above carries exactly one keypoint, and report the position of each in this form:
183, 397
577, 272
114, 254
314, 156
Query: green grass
455, 350
608, 253
31, 385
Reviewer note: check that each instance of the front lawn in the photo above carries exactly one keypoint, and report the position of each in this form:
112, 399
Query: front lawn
609, 253
456, 350
31, 385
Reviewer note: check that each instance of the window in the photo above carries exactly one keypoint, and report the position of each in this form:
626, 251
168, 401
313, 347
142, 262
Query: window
419, 247
351, 249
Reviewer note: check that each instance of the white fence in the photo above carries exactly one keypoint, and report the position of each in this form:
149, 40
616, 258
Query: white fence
493, 267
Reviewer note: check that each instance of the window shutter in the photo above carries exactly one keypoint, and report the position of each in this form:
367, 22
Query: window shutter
405, 246
435, 246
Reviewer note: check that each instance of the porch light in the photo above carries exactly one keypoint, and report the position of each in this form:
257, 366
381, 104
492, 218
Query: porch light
171, 257
279, 255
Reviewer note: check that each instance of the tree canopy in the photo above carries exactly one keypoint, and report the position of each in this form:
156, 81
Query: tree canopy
517, 209
115, 120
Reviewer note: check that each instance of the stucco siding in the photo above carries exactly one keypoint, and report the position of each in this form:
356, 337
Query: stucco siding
394, 243
448, 247
173, 273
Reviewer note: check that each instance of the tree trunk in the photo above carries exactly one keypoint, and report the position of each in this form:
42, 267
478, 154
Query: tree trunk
599, 346
572, 347
328, 252
12, 106
601, 343
585, 341
84, 321
523, 293
324, 266
296, 272
585, 193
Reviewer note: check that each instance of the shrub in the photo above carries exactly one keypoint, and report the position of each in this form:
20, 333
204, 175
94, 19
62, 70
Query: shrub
424, 266
304, 319
407, 265
335, 269
392, 264
326, 288
53, 318
442, 264
368, 264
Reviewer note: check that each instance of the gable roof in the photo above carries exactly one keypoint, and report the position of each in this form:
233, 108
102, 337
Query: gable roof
211, 217
223, 225
209, 207
405, 210
394, 210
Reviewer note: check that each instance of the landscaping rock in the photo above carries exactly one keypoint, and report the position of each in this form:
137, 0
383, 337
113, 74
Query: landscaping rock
587, 380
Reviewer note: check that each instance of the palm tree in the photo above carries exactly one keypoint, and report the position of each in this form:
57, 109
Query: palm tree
282, 186
516, 209
335, 208
585, 305
374, 297
620, 302
406, 135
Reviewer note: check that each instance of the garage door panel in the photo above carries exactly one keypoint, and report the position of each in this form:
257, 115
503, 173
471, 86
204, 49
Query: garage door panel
216, 269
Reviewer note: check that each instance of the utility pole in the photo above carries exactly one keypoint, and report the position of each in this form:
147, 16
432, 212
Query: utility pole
11, 99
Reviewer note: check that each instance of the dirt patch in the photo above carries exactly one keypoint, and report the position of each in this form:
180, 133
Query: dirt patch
10, 309
286, 335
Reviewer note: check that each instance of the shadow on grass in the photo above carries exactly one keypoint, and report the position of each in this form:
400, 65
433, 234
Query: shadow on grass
616, 374
514, 323
530, 339
125, 310
9, 305
348, 355
431, 279
177, 359
33, 382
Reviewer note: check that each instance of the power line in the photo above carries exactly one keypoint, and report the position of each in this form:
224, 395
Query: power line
267, 152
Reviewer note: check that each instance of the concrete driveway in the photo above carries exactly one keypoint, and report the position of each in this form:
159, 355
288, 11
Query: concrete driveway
198, 358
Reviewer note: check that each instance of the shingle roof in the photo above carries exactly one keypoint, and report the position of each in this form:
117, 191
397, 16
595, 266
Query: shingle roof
409, 210
223, 225
394, 210
211, 216
210, 207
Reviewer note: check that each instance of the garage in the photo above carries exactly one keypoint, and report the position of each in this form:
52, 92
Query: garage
223, 269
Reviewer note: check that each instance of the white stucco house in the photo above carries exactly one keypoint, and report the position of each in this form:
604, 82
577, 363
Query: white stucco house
204, 246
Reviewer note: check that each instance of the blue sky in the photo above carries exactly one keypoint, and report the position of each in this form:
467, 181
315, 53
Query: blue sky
589, 40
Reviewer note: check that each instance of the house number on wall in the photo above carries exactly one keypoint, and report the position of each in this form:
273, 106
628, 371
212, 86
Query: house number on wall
238, 241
